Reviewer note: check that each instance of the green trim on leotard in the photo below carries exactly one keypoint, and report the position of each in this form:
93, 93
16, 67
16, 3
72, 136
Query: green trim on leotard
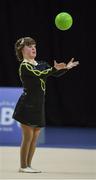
36, 72
43, 86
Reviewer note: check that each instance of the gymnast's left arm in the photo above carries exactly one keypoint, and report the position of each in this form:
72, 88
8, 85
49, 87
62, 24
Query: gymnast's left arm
62, 68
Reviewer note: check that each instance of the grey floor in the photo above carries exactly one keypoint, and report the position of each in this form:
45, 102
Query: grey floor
55, 163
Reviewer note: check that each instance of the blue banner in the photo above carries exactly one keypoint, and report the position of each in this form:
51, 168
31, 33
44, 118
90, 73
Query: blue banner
10, 130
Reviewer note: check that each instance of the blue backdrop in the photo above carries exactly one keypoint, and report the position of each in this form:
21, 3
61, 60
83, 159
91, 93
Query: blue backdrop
66, 137
10, 131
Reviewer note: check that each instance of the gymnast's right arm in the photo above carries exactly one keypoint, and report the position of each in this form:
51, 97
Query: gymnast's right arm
28, 70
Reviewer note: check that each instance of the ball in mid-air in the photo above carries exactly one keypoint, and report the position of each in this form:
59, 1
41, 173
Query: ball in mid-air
63, 21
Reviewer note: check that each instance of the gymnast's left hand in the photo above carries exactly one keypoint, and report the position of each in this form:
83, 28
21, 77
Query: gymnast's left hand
72, 64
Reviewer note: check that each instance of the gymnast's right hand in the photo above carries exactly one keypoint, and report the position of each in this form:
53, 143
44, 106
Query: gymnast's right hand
59, 66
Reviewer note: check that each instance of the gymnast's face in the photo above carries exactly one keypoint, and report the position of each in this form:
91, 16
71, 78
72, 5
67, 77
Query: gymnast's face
29, 52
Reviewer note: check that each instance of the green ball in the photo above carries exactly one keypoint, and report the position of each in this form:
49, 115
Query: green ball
63, 21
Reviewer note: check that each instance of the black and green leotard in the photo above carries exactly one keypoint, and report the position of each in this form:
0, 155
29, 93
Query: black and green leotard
29, 109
